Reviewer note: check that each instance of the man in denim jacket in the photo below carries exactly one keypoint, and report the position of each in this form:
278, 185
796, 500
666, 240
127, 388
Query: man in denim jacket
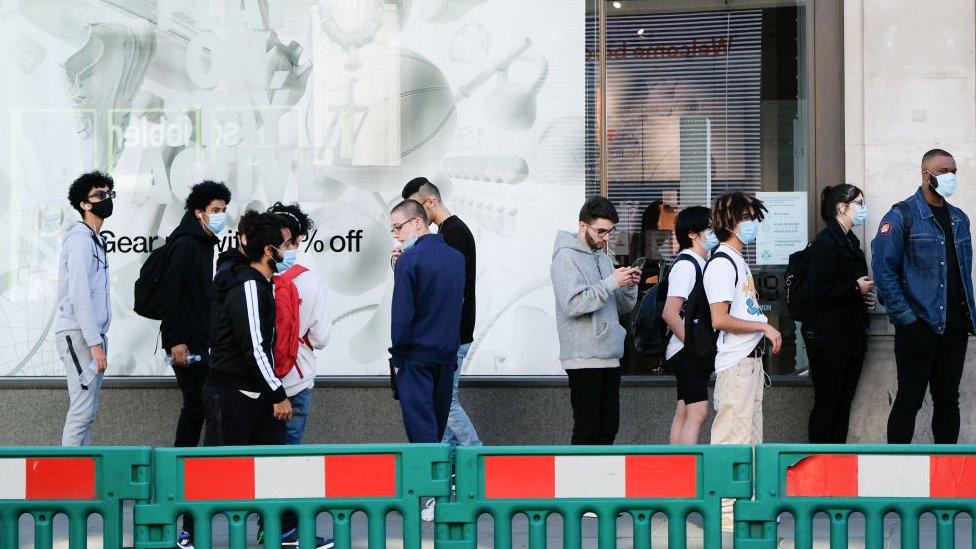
924, 277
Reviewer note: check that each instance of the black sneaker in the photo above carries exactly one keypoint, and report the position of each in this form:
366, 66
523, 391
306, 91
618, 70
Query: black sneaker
290, 539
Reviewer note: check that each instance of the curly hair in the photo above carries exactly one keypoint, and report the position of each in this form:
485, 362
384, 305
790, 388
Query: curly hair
732, 208
202, 194
80, 188
263, 230
297, 221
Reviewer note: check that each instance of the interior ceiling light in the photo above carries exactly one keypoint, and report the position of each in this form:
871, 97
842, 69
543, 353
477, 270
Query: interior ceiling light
640, 32
617, 5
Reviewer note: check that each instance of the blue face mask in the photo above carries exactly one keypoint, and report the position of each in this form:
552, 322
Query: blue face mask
748, 231
410, 242
217, 223
288, 258
861, 215
945, 184
711, 241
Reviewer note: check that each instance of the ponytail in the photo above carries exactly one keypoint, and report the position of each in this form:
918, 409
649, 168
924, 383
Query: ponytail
834, 196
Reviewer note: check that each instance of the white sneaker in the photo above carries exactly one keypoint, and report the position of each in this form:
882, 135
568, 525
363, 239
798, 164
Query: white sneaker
427, 513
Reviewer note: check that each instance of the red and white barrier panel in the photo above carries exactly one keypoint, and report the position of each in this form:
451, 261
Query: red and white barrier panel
882, 476
620, 476
47, 478
284, 477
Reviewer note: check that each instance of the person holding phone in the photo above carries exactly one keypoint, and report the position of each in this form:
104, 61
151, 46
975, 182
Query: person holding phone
838, 293
590, 296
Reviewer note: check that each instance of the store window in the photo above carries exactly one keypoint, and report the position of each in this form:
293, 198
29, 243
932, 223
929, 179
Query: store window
702, 101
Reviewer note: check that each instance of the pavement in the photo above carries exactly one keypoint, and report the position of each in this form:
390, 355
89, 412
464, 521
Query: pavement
659, 532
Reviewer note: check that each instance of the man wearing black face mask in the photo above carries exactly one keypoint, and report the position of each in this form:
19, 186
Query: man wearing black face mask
84, 309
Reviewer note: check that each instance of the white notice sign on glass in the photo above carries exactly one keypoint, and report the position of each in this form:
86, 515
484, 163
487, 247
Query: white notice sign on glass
784, 230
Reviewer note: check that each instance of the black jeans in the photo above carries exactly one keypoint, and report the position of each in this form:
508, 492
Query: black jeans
925, 358
835, 377
235, 419
191, 379
595, 396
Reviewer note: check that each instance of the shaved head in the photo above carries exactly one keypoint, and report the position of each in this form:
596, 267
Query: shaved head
409, 209
931, 155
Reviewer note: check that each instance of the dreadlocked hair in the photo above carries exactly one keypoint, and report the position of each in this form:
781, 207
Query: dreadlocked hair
732, 208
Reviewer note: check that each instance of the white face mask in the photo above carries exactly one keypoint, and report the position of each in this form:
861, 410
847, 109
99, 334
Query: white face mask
945, 184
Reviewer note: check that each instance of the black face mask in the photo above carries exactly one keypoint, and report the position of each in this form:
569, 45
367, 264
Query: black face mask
102, 209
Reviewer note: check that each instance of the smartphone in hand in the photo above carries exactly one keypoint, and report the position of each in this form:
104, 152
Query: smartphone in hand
639, 263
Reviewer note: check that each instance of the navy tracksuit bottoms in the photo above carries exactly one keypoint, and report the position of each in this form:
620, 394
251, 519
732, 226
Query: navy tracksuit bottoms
425, 391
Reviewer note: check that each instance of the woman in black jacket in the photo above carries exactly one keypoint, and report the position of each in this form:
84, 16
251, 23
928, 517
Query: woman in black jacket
838, 296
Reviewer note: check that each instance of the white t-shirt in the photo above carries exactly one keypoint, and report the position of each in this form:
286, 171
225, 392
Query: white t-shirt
681, 281
720, 286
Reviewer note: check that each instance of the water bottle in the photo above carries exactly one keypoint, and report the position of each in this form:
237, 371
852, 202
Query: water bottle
190, 359
87, 375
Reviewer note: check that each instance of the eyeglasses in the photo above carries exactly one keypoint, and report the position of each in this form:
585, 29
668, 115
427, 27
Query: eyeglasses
102, 195
397, 228
602, 233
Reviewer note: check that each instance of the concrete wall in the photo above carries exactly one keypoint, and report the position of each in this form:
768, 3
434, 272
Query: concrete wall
910, 85
503, 413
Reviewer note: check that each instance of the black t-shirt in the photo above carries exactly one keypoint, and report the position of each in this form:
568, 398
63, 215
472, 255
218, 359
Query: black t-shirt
956, 308
457, 236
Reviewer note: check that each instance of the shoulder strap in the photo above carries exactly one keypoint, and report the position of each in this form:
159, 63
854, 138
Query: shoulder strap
291, 273
689, 259
906, 220
735, 267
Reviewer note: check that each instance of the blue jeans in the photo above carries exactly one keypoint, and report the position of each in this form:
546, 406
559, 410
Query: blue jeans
295, 427
459, 430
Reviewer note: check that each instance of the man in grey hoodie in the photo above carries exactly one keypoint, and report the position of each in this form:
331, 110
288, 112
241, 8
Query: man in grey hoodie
84, 308
590, 296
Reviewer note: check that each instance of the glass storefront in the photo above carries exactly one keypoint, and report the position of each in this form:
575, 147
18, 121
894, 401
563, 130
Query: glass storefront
699, 102
517, 109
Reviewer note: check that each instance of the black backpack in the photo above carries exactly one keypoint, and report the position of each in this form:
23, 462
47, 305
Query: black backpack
796, 272
700, 338
649, 329
149, 298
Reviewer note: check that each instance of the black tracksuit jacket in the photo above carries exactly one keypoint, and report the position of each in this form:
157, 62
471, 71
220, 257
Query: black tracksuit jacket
242, 354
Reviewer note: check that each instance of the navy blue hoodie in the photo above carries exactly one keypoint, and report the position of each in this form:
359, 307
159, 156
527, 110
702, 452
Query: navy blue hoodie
428, 293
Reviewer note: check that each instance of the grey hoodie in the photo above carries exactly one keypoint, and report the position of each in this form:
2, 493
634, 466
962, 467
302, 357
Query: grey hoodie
588, 304
83, 298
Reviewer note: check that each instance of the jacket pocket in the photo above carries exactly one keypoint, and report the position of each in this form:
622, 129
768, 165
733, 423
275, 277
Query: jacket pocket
924, 247
601, 327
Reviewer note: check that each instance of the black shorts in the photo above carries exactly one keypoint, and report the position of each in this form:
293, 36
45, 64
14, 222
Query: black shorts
692, 375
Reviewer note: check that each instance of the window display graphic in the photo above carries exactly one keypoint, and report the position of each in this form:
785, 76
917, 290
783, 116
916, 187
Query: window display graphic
335, 104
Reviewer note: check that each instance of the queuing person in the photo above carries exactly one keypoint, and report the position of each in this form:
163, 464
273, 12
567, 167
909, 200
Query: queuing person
741, 324
246, 403
922, 260
837, 294
686, 286
590, 297
460, 430
428, 295
188, 284
84, 306
314, 318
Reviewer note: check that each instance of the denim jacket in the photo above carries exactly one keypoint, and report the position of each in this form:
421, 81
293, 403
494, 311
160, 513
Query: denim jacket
912, 282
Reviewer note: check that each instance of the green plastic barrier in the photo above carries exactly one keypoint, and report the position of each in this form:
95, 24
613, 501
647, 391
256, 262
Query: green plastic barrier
305, 480
606, 480
76, 482
872, 480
